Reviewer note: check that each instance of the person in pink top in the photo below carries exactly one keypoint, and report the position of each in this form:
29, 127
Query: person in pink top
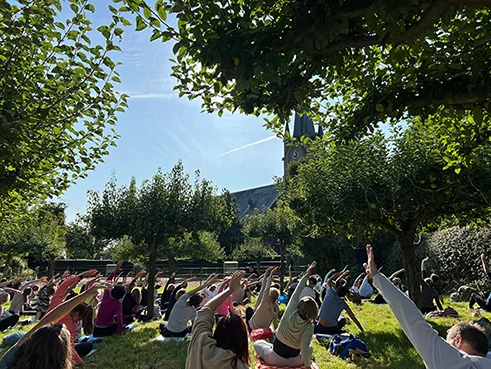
81, 312
228, 304
111, 306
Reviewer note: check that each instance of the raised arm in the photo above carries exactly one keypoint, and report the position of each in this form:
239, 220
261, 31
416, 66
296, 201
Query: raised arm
232, 287
212, 278
60, 311
331, 281
115, 270
436, 353
484, 260
354, 319
423, 267
267, 286
294, 300
395, 274
263, 287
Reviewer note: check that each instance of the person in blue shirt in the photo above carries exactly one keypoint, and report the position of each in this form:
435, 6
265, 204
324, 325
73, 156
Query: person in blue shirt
330, 319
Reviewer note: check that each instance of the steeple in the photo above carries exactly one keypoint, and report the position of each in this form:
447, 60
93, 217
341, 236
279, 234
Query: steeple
303, 126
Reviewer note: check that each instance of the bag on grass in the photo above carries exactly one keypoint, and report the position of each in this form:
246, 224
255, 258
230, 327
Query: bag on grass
446, 313
340, 346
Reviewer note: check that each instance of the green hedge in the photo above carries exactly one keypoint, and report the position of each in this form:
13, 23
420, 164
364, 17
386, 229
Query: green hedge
456, 256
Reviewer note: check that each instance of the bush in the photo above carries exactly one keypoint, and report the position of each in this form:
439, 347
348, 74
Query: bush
456, 256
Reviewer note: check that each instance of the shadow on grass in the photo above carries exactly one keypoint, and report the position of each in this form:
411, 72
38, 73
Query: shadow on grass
389, 350
137, 349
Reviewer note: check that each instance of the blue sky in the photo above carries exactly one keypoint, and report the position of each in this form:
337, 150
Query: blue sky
158, 129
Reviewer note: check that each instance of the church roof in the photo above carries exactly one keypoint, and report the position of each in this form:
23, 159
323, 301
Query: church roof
303, 126
256, 198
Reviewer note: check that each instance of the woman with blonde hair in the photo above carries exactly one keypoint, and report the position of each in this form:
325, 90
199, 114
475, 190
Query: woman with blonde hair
266, 308
291, 346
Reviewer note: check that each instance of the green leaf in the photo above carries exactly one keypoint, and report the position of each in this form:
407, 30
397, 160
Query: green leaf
147, 12
140, 24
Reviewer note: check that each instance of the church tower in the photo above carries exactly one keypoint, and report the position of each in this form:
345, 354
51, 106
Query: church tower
302, 126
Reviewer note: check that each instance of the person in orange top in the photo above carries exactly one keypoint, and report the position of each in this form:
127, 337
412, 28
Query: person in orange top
82, 312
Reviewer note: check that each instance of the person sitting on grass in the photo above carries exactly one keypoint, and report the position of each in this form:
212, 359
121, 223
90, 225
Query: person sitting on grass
81, 313
110, 308
131, 305
184, 311
165, 296
228, 346
176, 294
465, 346
47, 344
7, 319
310, 290
379, 299
291, 345
476, 298
330, 321
429, 294
434, 278
228, 304
266, 308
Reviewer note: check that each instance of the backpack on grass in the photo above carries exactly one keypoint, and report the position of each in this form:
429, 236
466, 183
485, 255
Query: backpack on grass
341, 346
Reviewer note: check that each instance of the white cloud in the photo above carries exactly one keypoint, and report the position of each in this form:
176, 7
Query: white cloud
248, 145
151, 95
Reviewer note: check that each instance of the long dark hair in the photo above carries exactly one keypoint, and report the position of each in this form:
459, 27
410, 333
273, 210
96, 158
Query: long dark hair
86, 314
231, 334
48, 348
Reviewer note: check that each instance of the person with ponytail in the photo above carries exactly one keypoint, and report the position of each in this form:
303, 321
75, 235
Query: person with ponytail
228, 346
47, 344
111, 307
82, 312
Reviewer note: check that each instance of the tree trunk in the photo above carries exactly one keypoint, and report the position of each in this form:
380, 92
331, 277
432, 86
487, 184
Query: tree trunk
7, 271
282, 266
51, 267
412, 270
152, 270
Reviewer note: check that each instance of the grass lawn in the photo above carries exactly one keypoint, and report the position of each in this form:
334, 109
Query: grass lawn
385, 340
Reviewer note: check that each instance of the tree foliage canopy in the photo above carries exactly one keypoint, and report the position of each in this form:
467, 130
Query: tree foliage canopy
57, 96
397, 183
167, 217
350, 63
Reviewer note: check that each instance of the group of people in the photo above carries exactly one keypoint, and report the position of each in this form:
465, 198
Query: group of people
222, 317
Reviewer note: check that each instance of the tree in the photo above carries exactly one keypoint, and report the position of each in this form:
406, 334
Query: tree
80, 243
231, 233
351, 64
41, 235
164, 212
279, 224
396, 183
253, 249
57, 99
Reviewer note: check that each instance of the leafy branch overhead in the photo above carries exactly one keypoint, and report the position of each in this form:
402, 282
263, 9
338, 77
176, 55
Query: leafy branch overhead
58, 103
351, 64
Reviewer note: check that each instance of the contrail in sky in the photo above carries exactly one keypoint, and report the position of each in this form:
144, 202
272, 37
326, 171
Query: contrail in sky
151, 95
248, 145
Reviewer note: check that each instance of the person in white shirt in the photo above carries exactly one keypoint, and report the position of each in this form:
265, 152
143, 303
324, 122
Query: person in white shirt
465, 346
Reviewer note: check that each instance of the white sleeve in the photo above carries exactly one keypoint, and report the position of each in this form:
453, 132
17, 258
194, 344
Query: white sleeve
436, 352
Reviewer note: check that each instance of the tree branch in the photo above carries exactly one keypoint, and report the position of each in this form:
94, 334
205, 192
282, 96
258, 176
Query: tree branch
477, 3
432, 15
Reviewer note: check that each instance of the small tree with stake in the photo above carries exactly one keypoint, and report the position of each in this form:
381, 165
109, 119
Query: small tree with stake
159, 216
